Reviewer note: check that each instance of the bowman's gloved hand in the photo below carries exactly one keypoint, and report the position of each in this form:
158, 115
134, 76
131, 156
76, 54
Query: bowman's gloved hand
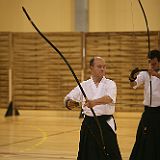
70, 104
133, 75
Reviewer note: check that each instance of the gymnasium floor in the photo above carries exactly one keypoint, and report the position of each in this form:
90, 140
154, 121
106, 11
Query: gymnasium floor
46, 135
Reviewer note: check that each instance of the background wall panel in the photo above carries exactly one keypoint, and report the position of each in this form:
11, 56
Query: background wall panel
41, 78
5, 44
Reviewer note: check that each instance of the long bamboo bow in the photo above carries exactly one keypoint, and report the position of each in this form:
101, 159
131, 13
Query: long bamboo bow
149, 46
75, 77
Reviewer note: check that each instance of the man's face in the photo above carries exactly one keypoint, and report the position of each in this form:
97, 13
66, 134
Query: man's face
99, 68
154, 64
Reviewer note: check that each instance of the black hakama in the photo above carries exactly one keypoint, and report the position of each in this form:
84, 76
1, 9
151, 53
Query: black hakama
90, 146
147, 145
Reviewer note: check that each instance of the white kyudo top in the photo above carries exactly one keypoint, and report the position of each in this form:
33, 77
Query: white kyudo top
106, 87
144, 78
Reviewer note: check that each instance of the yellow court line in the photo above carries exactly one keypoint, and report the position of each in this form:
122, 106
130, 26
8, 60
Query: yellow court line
42, 140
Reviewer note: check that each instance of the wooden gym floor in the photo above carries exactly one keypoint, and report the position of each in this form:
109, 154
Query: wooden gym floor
46, 135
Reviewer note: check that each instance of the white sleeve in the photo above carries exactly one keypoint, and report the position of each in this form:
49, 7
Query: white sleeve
75, 95
140, 80
112, 92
